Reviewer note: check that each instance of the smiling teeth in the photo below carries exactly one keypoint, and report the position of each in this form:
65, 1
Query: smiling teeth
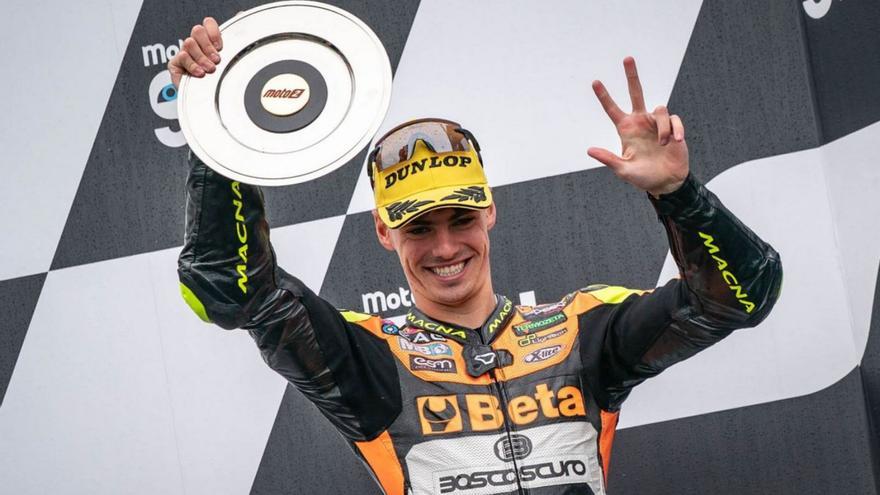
448, 271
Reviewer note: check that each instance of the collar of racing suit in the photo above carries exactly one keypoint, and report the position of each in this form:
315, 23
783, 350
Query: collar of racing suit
490, 329
478, 354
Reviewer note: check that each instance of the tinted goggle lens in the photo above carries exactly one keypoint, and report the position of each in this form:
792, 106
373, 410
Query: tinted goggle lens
440, 136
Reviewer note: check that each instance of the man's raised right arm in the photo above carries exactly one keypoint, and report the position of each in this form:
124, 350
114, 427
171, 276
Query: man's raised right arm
228, 276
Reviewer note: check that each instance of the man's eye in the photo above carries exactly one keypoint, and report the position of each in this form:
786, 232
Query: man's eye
464, 221
417, 231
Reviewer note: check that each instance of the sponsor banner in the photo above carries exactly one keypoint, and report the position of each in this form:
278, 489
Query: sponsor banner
561, 454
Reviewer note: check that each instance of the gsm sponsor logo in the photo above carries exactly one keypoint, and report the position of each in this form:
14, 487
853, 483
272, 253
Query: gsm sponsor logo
485, 414
533, 338
418, 363
417, 166
284, 93
728, 277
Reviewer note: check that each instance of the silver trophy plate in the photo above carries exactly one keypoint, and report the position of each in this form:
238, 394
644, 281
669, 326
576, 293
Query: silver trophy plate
302, 87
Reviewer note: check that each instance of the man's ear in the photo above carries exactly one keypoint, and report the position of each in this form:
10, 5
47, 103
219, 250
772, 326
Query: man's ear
490, 216
383, 232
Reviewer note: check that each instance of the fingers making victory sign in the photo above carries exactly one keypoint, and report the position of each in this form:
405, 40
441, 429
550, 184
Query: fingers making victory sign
654, 154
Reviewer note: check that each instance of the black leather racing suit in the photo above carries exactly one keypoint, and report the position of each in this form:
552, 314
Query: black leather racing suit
527, 403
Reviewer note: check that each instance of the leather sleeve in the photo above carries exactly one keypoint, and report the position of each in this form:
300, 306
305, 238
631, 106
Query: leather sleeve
229, 276
730, 279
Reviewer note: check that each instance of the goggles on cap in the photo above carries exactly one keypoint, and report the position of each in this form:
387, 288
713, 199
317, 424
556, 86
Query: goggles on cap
426, 164
438, 135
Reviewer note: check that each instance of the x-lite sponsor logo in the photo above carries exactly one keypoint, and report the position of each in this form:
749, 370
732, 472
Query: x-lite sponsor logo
728, 277
542, 354
533, 338
444, 414
417, 166
419, 363
538, 325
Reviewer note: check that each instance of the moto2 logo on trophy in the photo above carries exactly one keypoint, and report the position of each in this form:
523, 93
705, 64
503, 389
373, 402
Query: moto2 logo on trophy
379, 302
162, 93
284, 93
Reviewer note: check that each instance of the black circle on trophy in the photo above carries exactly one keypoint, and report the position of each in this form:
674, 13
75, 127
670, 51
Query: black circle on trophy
285, 96
301, 88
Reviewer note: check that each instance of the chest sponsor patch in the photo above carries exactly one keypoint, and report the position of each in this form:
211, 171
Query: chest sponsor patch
533, 339
542, 354
419, 363
563, 454
389, 328
544, 310
418, 336
428, 349
544, 323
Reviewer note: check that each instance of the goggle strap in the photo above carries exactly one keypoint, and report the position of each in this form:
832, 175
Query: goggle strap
473, 141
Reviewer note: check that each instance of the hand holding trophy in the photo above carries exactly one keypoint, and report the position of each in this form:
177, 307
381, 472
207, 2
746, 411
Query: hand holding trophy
300, 89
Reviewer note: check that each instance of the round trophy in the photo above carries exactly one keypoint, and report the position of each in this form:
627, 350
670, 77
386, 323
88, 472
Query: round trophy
301, 88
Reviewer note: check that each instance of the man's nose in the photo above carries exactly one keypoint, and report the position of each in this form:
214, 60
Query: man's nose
445, 245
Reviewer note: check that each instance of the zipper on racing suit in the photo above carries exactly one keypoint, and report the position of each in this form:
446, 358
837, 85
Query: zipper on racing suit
502, 398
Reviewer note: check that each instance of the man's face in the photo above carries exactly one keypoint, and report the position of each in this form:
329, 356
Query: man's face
444, 253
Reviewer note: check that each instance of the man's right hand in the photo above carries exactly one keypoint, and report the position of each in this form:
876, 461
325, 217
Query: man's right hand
200, 52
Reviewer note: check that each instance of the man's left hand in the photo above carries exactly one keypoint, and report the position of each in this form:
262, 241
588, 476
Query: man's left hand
655, 155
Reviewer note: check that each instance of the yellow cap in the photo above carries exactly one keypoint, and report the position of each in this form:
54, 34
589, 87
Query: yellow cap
428, 181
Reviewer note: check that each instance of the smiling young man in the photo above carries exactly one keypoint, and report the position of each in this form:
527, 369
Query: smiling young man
473, 395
